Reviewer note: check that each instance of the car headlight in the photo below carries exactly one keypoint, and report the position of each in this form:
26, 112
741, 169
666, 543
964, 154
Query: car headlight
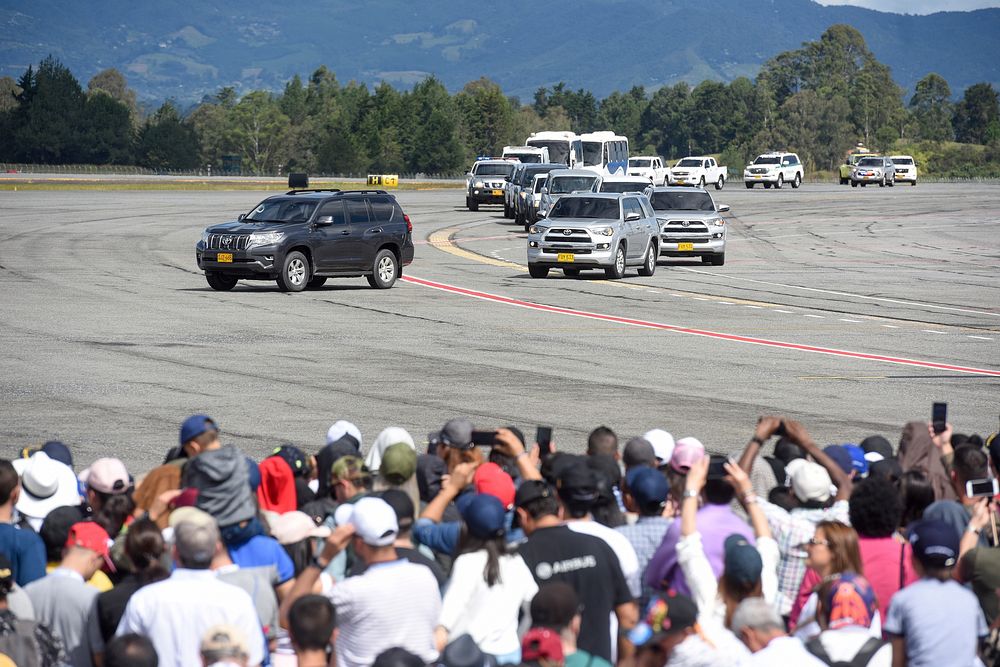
523, 194
718, 222
477, 184
604, 231
536, 229
264, 238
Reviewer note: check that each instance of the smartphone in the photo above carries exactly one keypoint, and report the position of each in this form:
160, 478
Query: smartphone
979, 488
488, 438
939, 417
780, 431
543, 436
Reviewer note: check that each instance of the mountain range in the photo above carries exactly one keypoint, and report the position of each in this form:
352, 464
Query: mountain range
184, 50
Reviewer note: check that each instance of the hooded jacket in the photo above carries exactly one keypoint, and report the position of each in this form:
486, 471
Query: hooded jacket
222, 480
917, 452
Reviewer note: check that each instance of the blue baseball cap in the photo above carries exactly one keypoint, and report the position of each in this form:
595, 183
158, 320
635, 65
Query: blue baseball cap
648, 486
58, 451
935, 543
840, 456
741, 560
483, 515
195, 425
858, 461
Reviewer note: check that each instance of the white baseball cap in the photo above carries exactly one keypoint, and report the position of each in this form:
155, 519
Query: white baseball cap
810, 481
663, 445
374, 520
340, 429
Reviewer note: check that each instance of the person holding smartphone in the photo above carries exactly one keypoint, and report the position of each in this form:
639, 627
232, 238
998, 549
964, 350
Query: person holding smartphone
968, 466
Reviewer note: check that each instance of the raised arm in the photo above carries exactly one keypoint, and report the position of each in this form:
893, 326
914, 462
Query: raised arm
527, 462
798, 434
306, 581
451, 486
766, 426
744, 491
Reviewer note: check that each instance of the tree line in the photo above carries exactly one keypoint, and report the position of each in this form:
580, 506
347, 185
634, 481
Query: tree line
819, 100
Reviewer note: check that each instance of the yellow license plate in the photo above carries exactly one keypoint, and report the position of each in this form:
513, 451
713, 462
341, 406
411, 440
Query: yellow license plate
224, 257
681, 181
685, 247
498, 193
565, 257
758, 177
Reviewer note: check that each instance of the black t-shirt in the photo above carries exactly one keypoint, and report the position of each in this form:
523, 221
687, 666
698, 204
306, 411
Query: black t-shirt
587, 564
111, 605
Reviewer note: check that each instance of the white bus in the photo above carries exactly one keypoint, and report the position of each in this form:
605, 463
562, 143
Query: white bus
564, 147
605, 153
527, 154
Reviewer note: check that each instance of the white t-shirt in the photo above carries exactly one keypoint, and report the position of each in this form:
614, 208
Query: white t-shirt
843, 644
785, 651
391, 604
488, 614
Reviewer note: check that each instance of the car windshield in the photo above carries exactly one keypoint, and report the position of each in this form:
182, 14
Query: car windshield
526, 157
586, 207
639, 163
539, 184
558, 149
767, 160
566, 184
902, 160
494, 169
624, 186
870, 162
282, 210
689, 163
682, 201
593, 153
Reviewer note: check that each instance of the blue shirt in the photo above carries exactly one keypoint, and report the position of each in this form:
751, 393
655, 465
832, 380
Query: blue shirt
940, 621
26, 552
263, 551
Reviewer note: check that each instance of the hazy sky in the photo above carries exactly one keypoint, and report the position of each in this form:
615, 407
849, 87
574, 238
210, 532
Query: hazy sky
916, 6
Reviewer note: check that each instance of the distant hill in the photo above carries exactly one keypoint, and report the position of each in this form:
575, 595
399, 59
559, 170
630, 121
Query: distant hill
184, 50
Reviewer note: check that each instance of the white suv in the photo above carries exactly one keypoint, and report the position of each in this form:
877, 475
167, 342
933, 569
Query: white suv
906, 168
774, 169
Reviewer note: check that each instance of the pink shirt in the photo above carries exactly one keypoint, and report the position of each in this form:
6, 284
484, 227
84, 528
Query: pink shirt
880, 557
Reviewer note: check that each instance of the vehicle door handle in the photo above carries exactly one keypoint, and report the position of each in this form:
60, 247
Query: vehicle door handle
345, 232
376, 230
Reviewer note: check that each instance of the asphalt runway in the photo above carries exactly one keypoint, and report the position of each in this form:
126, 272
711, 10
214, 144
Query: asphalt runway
846, 308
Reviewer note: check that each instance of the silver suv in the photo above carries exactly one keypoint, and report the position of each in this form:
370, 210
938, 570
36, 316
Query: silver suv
486, 182
879, 170
691, 224
607, 231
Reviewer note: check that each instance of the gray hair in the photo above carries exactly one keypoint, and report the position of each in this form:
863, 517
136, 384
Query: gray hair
756, 614
195, 544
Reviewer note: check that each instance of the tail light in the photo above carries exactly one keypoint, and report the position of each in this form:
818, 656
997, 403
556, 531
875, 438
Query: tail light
409, 225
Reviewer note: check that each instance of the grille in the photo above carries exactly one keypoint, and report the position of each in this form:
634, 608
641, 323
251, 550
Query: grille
677, 227
574, 236
683, 239
575, 251
236, 241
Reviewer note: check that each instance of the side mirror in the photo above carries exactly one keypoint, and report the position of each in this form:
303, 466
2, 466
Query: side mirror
545, 190
723, 208
242, 216
324, 220
632, 217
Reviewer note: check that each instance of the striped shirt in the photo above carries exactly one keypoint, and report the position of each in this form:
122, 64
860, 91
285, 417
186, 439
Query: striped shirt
645, 535
391, 604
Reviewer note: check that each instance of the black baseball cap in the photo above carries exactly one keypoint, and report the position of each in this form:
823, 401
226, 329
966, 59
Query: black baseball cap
530, 491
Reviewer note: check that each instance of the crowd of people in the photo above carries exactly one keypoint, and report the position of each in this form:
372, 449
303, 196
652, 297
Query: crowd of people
648, 553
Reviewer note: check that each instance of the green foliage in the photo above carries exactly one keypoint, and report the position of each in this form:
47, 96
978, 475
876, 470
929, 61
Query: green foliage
932, 109
165, 142
978, 110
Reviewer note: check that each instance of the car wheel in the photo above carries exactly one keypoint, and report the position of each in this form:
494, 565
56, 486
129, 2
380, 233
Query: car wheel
843, 181
506, 210
617, 271
891, 183
718, 260
749, 186
863, 184
537, 271
220, 282
572, 273
701, 182
881, 183
648, 267
854, 184
767, 186
797, 182
385, 270
721, 183
781, 181
316, 283
473, 205
913, 183
294, 274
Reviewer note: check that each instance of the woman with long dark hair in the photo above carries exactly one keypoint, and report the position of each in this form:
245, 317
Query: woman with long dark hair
489, 586
144, 547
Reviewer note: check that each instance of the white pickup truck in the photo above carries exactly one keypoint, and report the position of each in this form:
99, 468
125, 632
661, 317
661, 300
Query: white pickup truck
697, 171
648, 166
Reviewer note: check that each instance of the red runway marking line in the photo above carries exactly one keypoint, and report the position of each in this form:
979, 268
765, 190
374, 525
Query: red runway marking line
696, 332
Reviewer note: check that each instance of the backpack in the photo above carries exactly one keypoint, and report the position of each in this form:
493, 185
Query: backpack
22, 647
860, 659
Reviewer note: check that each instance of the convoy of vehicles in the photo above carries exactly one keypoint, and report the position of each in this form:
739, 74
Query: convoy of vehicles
526, 154
595, 231
650, 167
520, 189
698, 171
486, 181
564, 147
301, 238
877, 169
774, 169
906, 169
691, 224
858, 153
564, 182
605, 153
533, 200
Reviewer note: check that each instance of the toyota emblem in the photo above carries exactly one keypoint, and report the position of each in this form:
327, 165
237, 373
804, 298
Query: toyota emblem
567, 232
685, 223
226, 240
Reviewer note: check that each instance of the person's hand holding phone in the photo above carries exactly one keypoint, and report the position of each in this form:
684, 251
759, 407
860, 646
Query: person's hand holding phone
508, 444
941, 440
766, 427
461, 476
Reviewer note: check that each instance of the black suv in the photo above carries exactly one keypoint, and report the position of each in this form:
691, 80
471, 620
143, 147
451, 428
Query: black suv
303, 237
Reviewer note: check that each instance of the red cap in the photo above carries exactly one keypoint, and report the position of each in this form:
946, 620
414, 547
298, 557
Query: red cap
90, 535
490, 478
542, 644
